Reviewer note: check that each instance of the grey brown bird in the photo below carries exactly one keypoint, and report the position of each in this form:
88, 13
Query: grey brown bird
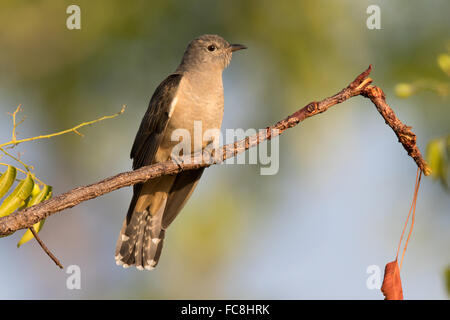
194, 92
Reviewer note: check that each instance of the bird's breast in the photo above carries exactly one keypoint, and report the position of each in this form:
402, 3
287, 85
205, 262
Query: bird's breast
197, 108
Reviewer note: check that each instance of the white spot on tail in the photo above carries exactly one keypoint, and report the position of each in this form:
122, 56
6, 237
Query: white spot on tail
156, 240
149, 268
152, 263
119, 260
125, 238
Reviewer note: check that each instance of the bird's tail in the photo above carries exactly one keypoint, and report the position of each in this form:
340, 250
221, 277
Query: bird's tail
140, 242
142, 235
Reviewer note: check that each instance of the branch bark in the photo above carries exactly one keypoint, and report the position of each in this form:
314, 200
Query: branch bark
26, 218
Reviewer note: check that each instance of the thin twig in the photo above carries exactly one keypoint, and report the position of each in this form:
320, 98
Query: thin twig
17, 159
44, 247
360, 86
13, 115
74, 129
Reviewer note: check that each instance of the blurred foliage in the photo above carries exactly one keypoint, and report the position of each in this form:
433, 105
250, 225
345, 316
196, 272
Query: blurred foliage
405, 90
444, 62
438, 150
447, 279
438, 156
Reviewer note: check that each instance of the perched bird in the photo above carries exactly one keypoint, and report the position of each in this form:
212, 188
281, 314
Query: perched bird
194, 92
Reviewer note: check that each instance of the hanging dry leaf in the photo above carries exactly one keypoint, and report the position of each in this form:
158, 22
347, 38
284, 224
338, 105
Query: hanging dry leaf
392, 284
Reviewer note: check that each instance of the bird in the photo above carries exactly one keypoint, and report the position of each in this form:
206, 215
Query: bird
193, 92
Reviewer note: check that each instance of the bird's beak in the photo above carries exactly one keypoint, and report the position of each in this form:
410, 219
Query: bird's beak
236, 47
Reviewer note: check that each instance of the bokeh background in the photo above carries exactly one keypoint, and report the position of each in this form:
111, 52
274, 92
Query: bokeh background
339, 200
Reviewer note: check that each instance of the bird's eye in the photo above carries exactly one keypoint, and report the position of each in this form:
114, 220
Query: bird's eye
211, 47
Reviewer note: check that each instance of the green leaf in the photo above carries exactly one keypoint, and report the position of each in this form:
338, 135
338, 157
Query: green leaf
42, 195
18, 197
37, 196
28, 235
438, 160
7, 180
404, 90
443, 61
447, 279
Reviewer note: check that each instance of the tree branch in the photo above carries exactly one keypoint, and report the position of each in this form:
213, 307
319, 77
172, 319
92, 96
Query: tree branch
26, 218
44, 247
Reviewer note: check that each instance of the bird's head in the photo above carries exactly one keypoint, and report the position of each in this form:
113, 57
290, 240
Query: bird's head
209, 51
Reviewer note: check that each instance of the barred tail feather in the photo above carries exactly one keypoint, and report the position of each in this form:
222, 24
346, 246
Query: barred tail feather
154, 206
141, 238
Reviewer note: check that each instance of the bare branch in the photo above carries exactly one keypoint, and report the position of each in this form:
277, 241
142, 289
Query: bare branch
405, 136
360, 86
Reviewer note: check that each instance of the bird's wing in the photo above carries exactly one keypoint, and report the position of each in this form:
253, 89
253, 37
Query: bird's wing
151, 130
154, 123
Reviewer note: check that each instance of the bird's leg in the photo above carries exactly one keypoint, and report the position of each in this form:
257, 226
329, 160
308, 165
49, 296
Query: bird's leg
178, 160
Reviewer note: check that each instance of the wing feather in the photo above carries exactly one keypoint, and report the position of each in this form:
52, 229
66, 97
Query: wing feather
151, 130
154, 123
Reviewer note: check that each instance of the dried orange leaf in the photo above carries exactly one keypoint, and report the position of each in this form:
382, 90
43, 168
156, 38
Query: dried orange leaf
392, 284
